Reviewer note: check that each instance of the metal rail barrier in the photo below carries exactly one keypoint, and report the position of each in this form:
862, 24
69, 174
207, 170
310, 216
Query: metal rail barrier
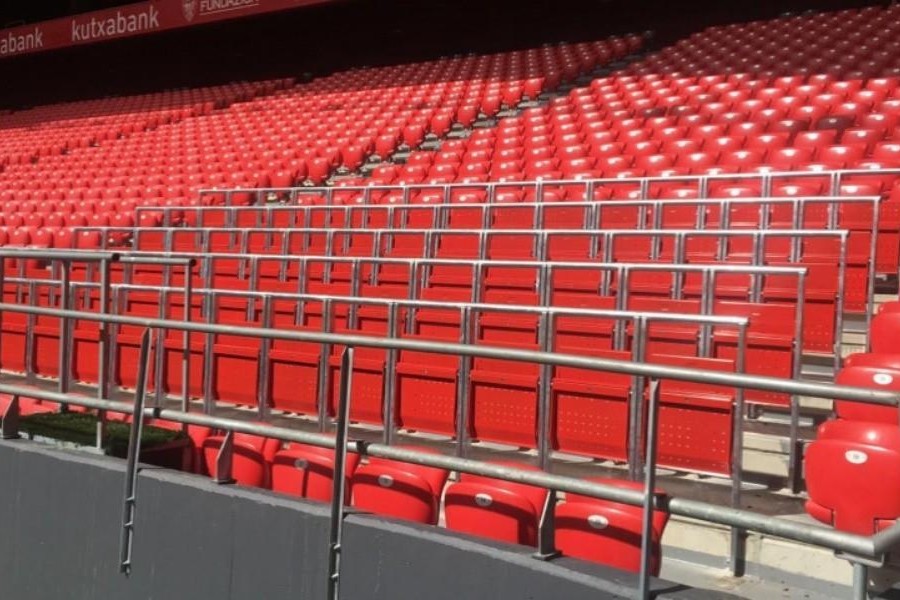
633, 187
586, 186
600, 246
648, 213
544, 274
468, 313
858, 549
410, 279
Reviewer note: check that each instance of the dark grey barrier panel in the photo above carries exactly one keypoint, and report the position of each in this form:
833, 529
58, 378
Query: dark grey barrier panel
61, 519
194, 540
385, 560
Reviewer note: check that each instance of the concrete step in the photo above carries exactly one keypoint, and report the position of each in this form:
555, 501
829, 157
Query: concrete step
697, 554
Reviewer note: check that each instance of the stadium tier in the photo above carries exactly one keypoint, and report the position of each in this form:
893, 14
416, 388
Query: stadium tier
707, 234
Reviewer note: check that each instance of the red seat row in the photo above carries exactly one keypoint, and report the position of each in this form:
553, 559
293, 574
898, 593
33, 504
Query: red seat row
587, 528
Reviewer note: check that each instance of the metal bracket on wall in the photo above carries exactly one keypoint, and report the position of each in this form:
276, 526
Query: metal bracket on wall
547, 529
9, 430
225, 460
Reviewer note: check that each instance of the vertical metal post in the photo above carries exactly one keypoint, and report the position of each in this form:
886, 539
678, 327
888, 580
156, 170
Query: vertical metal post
798, 215
860, 581
134, 449
795, 474
547, 525
159, 356
9, 428
467, 325
655, 242
208, 355
680, 259
871, 271
766, 186
738, 536
30, 321
65, 339
623, 281
103, 368
115, 300
707, 306
839, 307
703, 187
635, 412
546, 325
186, 340
757, 261
649, 491
390, 376
264, 367
339, 489
324, 377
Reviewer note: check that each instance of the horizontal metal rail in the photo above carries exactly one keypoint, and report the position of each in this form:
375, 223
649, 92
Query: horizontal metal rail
573, 311
548, 233
592, 209
755, 382
805, 533
735, 518
835, 178
736, 268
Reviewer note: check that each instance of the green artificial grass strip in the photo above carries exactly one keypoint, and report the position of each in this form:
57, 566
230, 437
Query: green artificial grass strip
81, 428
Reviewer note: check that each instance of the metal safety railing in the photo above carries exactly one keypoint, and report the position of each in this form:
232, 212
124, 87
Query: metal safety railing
646, 214
159, 299
606, 246
294, 273
331, 247
610, 281
673, 246
587, 188
292, 307
544, 274
856, 548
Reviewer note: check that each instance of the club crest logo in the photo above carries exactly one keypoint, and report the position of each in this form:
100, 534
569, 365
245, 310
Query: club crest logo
189, 8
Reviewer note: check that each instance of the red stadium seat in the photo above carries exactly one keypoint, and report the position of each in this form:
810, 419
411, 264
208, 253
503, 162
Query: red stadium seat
308, 471
607, 532
884, 331
400, 490
853, 476
874, 371
493, 508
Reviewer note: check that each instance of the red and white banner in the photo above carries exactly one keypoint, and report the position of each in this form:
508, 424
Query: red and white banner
133, 19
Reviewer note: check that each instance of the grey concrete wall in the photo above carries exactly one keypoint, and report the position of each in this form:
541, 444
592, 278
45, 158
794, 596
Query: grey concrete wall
59, 540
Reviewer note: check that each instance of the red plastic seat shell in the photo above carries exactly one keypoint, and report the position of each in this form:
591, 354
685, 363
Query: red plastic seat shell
853, 476
493, 508
401, 490
607, 532
308, 471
